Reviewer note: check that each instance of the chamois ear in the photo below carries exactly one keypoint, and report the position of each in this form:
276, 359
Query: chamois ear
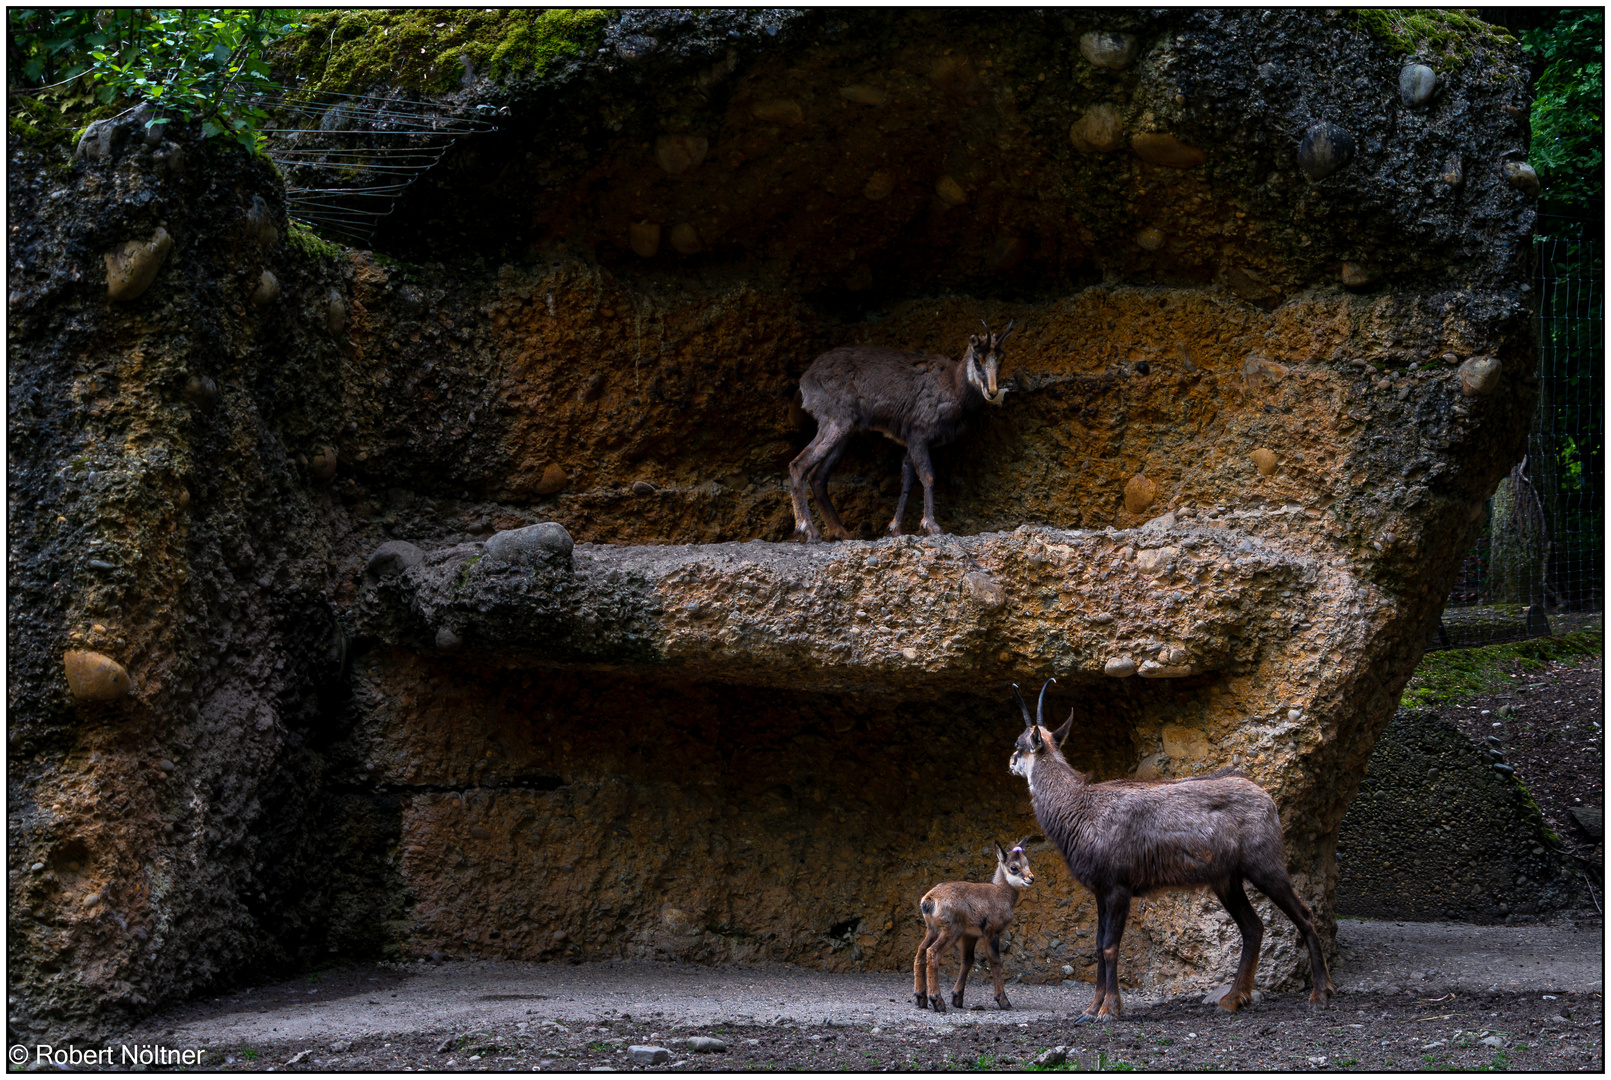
1036, 743
1020, 845
1001, 852
1062, 733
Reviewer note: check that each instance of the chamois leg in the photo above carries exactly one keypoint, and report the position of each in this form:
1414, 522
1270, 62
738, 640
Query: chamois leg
918, 454
968, 944
1286, 898
1118, 912
947, 936
920, 985
908, 474
834, 528
994, 955
1247, 920
827, 438
1101, 984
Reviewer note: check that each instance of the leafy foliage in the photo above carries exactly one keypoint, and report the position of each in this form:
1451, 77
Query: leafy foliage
1569, 109
201, 65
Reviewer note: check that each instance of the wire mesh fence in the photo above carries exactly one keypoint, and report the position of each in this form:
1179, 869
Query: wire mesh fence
1538, 567
346, 158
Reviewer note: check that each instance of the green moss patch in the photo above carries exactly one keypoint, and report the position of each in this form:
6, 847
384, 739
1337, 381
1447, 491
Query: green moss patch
1461, 674
1443, 37
431, 50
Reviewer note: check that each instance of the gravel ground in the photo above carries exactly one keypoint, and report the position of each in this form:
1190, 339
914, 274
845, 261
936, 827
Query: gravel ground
1413, 996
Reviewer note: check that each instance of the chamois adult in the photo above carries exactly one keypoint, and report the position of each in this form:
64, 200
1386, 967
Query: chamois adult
966, 911
919, 400
1125, 838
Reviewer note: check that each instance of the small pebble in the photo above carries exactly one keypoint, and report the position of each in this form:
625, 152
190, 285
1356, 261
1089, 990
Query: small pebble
322, 463
201, 391
1149, 239
131, 269
643, 487
93, 676
1120, 667
678, 154
1355, 276
879, 186
644, 238
1106, 49
335, 313
1416, 84
1139, 493
1452, 173
778, 111
519, 545
1520, 175
554, 478
704, 1044
685, 239
1100, 130
1479, 376
1265, 460
392, 557
949, 191
1325, 149
1161, 148
862, 94
267, 291
649, 1055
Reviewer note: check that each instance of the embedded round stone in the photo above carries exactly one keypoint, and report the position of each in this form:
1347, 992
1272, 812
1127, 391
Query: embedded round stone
1520, 175
322, 463
447, 640
1452, 173
644, 237
1149, 239
1139, 493
1120, 667
949, 191
1416, 84
678, 154
1356, 276
392, 557
335, 313
1325, 149
267, 291
552, 481
1162, 148
1265, 461
1479, 376
863, 94
778, 111
984, 590
1100, 130
93, 676
201, 391
131, 269
520, 545
1106, 49
685, 238
879, 185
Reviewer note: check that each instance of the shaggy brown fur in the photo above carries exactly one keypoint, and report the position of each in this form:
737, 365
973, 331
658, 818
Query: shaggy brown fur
918, 399
1127, 838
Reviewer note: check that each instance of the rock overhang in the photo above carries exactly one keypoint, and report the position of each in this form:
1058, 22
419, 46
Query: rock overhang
908, 614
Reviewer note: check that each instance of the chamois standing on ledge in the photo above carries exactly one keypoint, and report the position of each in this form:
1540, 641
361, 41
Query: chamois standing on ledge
917, 399
968, 911
1127, 838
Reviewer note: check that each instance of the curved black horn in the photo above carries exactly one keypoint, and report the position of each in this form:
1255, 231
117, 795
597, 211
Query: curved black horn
1027, 721
1039, 704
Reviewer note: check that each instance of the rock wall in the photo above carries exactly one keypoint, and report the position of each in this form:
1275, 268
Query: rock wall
1256, 408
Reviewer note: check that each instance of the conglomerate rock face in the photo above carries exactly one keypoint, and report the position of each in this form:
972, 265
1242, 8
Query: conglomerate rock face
1255, 407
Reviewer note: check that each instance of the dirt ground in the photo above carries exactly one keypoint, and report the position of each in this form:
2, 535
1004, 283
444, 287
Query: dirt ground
1412, 996
1550, 728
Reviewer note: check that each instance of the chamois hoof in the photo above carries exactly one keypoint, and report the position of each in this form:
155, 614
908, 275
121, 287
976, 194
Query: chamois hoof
922, 1000
938, 1002
933, 528
1234, 1000
1319, 999
1085, 1018
1002, 1002
956, 1001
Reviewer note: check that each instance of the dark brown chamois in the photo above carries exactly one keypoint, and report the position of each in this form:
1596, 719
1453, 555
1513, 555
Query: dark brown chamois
968, 911
918, 399
1127, 838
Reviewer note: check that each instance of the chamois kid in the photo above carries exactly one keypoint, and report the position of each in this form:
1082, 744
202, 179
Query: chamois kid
1127, 838
966, 911
917, 399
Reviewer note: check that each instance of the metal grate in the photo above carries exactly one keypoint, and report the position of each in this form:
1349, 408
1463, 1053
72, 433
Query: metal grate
347, 157
1538, 567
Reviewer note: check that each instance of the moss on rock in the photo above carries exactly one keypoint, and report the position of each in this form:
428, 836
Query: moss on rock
433, 50
1443, 37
